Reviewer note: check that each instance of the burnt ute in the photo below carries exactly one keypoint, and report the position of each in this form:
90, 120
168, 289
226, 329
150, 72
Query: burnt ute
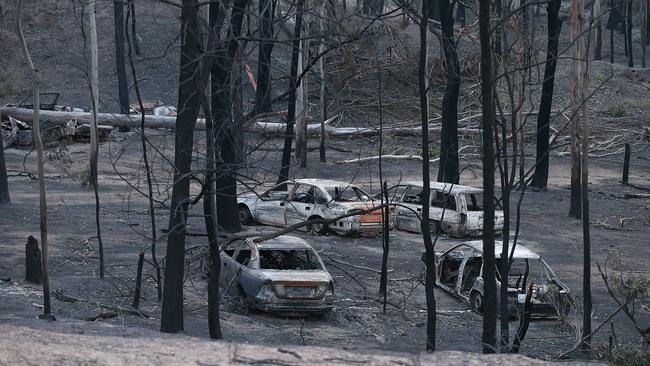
281, 275
292, 202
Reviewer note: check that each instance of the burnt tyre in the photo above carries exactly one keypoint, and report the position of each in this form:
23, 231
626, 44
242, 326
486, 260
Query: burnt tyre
476, 302
318, 228
245, 217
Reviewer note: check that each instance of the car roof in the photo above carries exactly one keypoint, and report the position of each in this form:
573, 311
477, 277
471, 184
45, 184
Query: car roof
324, 182
521, 252
456, 188
284, 242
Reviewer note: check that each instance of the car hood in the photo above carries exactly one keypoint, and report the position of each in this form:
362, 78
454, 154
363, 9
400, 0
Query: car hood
296, 276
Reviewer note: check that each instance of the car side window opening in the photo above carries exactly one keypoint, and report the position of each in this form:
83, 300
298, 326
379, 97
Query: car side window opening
450, 269
348, 193
303, 194
232, 247
413, 195
396, 192
520, 270
289, 259
475, 202
278, 193
471, 271
320, 197
443, 200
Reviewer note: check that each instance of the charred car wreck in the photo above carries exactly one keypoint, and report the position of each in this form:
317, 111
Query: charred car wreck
292, 202
456, 210
459, 271
280, 275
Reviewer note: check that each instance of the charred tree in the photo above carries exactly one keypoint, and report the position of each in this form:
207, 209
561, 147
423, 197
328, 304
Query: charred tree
489, 302
38, 142
577, 57
263, 93
598, 29
33, 264
643, 9
4, 182
323, 94
448, 168
540, 177
293, 86
138, 281
228, 157
628, 33
120, 66
172, 307
429, 255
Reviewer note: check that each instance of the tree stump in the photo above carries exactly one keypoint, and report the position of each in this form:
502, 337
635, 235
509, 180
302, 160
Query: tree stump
33, 266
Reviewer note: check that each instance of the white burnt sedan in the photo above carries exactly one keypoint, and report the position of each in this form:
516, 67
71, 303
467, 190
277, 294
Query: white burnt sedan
296, 201
456, 210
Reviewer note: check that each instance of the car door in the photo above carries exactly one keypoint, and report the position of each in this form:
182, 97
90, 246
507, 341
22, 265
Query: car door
271, 205
407, 213
300, 205
227, 278
444, 209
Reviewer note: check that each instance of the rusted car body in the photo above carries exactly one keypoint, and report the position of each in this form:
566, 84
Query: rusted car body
280, 275
456, 210
297, 201
459, 271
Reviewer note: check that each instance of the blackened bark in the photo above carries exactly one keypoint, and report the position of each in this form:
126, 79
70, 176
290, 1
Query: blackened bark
120, 66
4, 182
265, 49
188, 103
540, 177
293, 85
628, 34
136, 44
448, 168
489, 267
33, 264
138, 281
598, 29
226, 141
429, 255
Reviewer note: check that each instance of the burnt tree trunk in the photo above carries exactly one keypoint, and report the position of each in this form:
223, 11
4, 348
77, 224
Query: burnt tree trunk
291, 112
33, 264
489, 267
430, 274
138, 281
540, 177
598, 30
628, 33
226, 139
577, 55
4, 182
264, 76
172, 307
643, 9
120, 66
448, 168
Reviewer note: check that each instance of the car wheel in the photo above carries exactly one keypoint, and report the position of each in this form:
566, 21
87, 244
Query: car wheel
245, 217
318, 229
476, 302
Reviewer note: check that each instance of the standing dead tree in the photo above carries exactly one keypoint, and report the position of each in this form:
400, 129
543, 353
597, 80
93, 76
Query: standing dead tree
120, 65
4, 182
172, 307
94, 143
38, 142
449, 165
430, 264
263, 92
554, 25
643, 9
489, 266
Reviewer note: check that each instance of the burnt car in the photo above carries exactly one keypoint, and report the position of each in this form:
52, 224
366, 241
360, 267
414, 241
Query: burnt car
279, 275
292, 202
455, 209
459, 272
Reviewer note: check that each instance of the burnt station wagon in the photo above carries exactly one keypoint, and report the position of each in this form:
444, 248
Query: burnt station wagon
456, 210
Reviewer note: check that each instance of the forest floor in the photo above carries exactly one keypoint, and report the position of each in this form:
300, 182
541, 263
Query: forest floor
357, 321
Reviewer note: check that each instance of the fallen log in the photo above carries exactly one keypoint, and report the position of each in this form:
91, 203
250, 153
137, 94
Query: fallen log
386, 157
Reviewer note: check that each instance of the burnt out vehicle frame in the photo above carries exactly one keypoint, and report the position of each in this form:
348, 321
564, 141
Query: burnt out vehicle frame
459, 272
280, 275
297, 201
455, 209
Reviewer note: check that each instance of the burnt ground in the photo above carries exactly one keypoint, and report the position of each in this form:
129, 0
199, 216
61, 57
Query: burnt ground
357, 321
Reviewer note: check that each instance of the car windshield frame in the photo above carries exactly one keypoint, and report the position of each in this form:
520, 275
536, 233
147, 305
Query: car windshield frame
286, 259
336, 193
